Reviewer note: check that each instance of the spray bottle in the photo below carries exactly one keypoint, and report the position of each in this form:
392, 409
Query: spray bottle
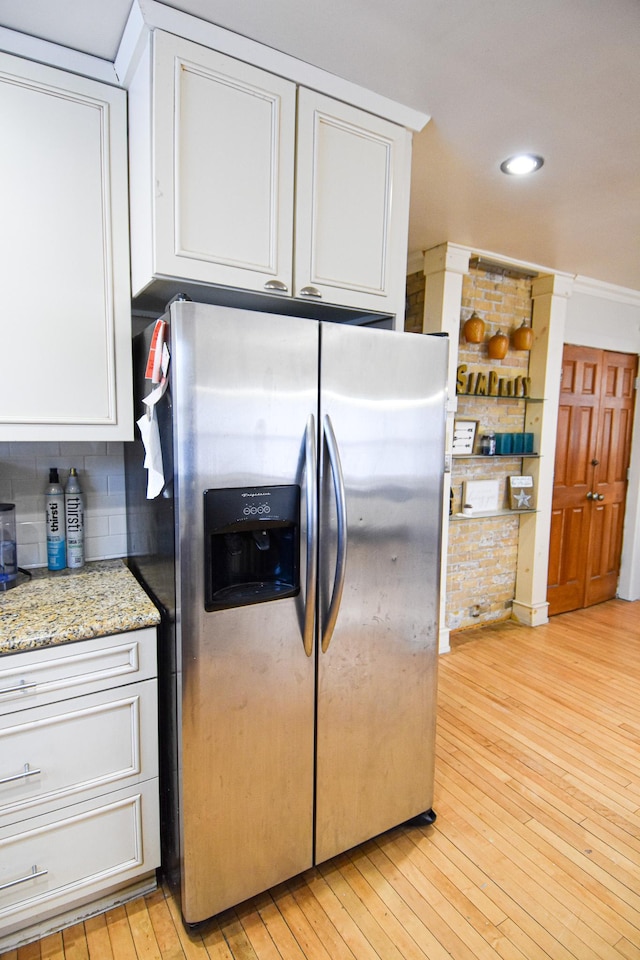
56, 550
74, 511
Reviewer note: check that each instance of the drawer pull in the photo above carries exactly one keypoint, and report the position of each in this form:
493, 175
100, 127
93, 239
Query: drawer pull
276, 285
311, 292
30, 876
27, 772
20, 687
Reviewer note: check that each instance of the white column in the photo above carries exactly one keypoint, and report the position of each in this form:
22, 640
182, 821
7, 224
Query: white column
444, 268
629, 582
550, 295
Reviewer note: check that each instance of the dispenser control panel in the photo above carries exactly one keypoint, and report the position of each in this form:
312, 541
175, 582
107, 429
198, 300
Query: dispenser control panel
252, 545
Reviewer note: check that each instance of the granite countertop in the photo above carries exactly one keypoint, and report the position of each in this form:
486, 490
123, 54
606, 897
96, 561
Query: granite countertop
101, 598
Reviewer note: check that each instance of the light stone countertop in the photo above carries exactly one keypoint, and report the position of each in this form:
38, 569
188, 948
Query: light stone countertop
101, 598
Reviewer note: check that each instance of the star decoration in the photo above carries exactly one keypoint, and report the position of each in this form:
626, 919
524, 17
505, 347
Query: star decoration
523, 500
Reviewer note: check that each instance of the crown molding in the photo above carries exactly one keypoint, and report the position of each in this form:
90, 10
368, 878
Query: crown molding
606, 291
55, 55
151, 14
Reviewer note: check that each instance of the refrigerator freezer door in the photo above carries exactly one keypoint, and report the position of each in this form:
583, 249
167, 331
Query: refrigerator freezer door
244, 387
384, 394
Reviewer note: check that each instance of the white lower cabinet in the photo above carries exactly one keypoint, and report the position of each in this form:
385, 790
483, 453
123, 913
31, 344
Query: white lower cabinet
79, 803
70, 857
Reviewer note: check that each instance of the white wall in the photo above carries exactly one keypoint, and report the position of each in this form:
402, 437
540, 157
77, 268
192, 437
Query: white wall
610, 320
24, 475
606, 323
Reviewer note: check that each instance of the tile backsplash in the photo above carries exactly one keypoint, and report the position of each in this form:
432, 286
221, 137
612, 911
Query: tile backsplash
24, 476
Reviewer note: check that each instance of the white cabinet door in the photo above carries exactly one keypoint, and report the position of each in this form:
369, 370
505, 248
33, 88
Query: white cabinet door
352, 202
63, 257
55, 862
219, 149
48, 674
77, 749
224, 149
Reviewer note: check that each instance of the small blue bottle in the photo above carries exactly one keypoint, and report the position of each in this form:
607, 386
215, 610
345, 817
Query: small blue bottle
56, 545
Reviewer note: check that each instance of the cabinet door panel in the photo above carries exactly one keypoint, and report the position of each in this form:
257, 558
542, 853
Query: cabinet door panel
53, 863
224, 167
36, 677
351, 208
64, 255
81, 747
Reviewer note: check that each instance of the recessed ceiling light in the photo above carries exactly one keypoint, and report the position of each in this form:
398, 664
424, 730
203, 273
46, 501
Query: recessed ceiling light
521, 164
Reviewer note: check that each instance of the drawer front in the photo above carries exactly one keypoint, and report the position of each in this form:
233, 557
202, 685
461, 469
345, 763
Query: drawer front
70, 751
49, 865
72, 669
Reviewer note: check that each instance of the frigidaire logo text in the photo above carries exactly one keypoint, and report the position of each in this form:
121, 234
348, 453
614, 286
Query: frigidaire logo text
261, 494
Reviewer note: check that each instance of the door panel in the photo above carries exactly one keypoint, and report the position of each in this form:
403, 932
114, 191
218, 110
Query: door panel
224, 167
350, 203
592, 456
377, 680
610, 475
243, 387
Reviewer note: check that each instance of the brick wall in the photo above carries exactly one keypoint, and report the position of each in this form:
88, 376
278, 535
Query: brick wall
415, 303
483, 553
482, 557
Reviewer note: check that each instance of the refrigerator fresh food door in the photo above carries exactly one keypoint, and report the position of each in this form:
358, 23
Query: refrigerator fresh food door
245, 395
382, 415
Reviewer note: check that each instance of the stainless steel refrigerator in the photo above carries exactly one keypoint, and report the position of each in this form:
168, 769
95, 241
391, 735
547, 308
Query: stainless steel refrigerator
294, 552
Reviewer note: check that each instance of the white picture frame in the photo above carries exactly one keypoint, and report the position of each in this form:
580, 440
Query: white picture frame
464, 437
481, 495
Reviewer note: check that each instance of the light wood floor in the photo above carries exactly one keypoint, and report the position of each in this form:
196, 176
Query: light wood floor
535, 852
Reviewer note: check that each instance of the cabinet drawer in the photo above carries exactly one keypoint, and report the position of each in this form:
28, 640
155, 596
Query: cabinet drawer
50, 864
54, 673
70, 751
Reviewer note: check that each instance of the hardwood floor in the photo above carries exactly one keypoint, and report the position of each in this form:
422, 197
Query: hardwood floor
536, 849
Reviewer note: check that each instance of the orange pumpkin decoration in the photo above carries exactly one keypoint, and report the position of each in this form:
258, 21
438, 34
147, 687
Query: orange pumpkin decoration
474, 329
523, 337
498, 346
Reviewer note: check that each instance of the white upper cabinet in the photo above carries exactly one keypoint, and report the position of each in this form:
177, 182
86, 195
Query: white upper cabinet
224, 151
239, 178
64, 257
352, 205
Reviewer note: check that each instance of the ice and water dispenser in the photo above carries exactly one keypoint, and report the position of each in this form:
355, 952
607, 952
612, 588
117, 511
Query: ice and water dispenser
252, 545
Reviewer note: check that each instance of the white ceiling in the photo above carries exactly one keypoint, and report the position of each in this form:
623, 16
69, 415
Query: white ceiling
559, 77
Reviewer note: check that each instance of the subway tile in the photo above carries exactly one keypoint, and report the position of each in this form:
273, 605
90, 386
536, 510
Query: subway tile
35, 448
29, 555
95, 526
105, 548
80, 450
118, 524
17, 468
109, 464
30, 532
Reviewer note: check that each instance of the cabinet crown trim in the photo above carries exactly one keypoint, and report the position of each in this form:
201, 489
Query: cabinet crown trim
151, 15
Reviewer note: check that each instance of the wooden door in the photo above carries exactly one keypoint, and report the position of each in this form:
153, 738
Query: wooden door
590, 481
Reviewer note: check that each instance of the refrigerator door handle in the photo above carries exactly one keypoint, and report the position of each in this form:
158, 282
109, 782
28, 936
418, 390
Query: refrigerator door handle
341, 559
312, 535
